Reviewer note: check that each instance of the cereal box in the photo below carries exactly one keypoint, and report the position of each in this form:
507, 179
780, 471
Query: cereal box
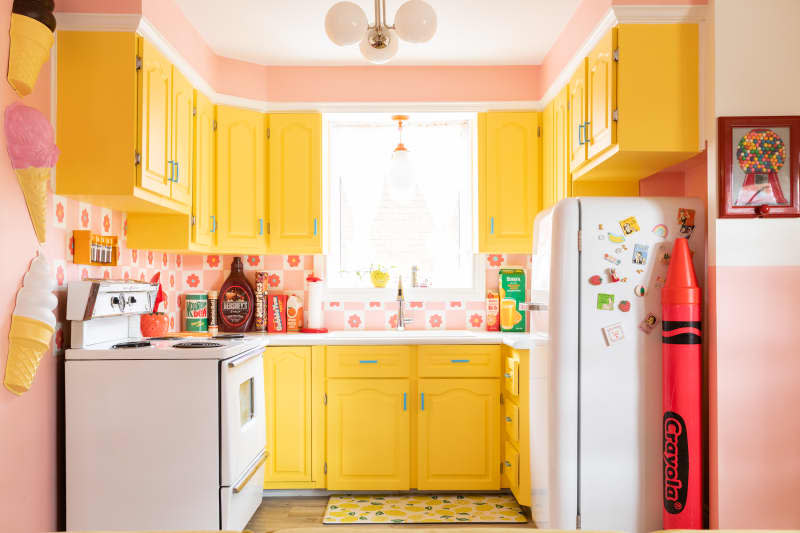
276, 313
492, 311
294, 313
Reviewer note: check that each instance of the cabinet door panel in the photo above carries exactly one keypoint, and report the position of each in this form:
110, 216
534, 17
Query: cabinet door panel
368, 434
548, 155
577, 117
155, 127
295, 183
601, 96
287, 378
509, 185
562, 179
204, 182
458, 441
241, 179
182, 137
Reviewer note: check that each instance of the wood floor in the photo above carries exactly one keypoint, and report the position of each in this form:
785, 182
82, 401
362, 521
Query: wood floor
283, 513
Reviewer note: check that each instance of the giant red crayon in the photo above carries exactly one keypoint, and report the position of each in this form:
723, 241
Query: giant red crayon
682, 362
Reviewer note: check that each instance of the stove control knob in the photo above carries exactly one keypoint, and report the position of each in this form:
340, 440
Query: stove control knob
119, 301
115, 300
131, 300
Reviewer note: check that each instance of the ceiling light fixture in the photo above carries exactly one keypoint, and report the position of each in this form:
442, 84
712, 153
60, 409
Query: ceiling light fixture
401, 170
346, 24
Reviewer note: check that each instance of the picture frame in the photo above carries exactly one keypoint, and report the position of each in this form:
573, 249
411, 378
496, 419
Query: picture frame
759, 167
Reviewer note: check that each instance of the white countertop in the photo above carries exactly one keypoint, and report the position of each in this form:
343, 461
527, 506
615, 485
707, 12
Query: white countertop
392, 337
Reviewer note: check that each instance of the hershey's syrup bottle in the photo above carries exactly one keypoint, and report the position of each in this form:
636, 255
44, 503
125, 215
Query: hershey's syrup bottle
236, 301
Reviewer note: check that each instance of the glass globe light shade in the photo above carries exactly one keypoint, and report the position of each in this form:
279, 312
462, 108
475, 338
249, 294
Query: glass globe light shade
379, 47
345, 23
400, 177
415, 21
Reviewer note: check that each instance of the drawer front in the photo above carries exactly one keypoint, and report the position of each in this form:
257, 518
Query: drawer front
511, 376
456, 361
511, 421
511, 467
368, 361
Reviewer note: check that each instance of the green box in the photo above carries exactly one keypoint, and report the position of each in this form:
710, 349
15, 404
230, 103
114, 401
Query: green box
512, 296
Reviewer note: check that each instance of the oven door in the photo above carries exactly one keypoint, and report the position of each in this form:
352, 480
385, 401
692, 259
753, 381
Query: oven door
242, 425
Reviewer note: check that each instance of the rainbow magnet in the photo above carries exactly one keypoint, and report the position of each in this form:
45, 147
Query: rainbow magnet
660, 230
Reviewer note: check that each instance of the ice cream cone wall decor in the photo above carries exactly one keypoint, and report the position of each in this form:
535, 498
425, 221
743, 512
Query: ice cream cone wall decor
32, 27
32, 326
33, 153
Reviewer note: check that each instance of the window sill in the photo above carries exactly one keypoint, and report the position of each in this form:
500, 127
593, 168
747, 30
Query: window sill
410, 294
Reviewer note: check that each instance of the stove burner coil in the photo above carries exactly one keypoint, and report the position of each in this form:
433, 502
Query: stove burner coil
132, 344
197, 345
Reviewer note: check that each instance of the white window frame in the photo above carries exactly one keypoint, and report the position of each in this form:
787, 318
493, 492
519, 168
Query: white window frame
372, 294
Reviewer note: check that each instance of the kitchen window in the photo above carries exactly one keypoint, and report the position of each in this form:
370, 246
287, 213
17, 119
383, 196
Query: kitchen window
417, 222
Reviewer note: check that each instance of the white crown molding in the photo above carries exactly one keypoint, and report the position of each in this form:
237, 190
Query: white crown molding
97, 21
411, 107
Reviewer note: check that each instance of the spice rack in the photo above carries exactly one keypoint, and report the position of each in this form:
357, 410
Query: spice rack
103, 244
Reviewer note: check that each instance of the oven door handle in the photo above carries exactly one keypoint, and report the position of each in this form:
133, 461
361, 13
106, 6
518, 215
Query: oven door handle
262, 458
242, 359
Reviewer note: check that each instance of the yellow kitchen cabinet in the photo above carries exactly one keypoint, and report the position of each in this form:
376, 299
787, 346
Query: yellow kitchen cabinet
516, 433
508, 180
186, 233
183, 106
642, 103
576, 109
204, 215
287, 382
295, 183
562, 180
368, 434
548, 156
458, 445
241, 180
115, 126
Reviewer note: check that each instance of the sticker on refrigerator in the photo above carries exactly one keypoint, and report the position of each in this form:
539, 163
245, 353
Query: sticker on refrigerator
616, 239
613, 334
611, 259
686, 220
624, 306
649, 323
640, 254
660, 230
605, 302
629, 225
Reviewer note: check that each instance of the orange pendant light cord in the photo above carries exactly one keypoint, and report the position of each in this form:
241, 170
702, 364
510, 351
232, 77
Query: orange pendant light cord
400, 146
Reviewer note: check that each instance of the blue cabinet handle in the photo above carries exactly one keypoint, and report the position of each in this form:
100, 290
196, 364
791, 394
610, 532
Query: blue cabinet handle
580, 133
422, 400
368, 361
315, 227
261, 226
171, 170
213, 223
405, 404
508, 419
177, 172
491, 224
508, 375
459, 360
508, 464
586, 131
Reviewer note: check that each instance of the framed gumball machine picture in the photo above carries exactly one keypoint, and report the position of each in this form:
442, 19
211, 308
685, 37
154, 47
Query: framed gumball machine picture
759, 171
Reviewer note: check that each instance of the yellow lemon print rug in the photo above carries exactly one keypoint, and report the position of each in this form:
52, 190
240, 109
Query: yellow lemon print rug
422, 508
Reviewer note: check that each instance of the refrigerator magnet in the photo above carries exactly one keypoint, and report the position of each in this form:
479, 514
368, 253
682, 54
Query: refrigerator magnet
686, 220
629, 225
640, 254
612, 275
605, 302
661, 230
595, 280
613, 334
649, 323
640, 290
613, 237
611, 259
624, 306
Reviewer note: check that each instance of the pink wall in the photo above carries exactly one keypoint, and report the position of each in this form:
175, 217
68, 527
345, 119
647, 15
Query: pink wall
687, 178
28, 439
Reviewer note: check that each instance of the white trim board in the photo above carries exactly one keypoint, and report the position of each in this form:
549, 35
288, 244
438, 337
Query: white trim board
632, 14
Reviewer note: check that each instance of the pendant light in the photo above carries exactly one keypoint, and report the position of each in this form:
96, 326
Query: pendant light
401, 170
346, 24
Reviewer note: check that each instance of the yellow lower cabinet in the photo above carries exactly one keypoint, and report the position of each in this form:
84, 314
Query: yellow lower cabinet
457, 434
511, 470
368, 434
287, 380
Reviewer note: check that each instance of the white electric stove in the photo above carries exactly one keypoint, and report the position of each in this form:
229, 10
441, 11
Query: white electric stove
164, 433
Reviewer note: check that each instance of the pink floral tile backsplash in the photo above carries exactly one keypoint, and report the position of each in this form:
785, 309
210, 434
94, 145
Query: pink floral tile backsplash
286, 273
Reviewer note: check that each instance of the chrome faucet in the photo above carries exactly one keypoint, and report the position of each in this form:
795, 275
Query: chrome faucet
401, 319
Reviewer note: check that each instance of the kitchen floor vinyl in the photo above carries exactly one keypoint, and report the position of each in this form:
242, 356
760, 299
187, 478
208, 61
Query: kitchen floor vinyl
307, 512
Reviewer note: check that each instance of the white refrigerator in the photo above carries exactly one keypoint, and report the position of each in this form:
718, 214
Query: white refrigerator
597, 269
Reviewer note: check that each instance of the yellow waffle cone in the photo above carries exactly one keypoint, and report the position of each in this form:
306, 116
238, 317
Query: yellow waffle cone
34, 186
29, 49
28, 340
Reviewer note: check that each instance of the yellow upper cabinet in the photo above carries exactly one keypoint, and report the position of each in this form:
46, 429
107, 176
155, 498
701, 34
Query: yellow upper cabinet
204, 194
241, 180
548, 156
641, 103
368, 434
182, 138
295, 183
576, 109
287, 379
508, 184
458, 443
562, 181
601, 129
115, 124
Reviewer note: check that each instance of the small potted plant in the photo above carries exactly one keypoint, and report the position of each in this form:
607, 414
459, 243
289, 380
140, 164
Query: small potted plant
155, 324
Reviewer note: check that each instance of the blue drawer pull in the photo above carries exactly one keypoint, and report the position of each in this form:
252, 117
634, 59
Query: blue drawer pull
315, 226
366, 361
491, 224
508, 375
459, 360
405, 405
508, 419
422, 400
